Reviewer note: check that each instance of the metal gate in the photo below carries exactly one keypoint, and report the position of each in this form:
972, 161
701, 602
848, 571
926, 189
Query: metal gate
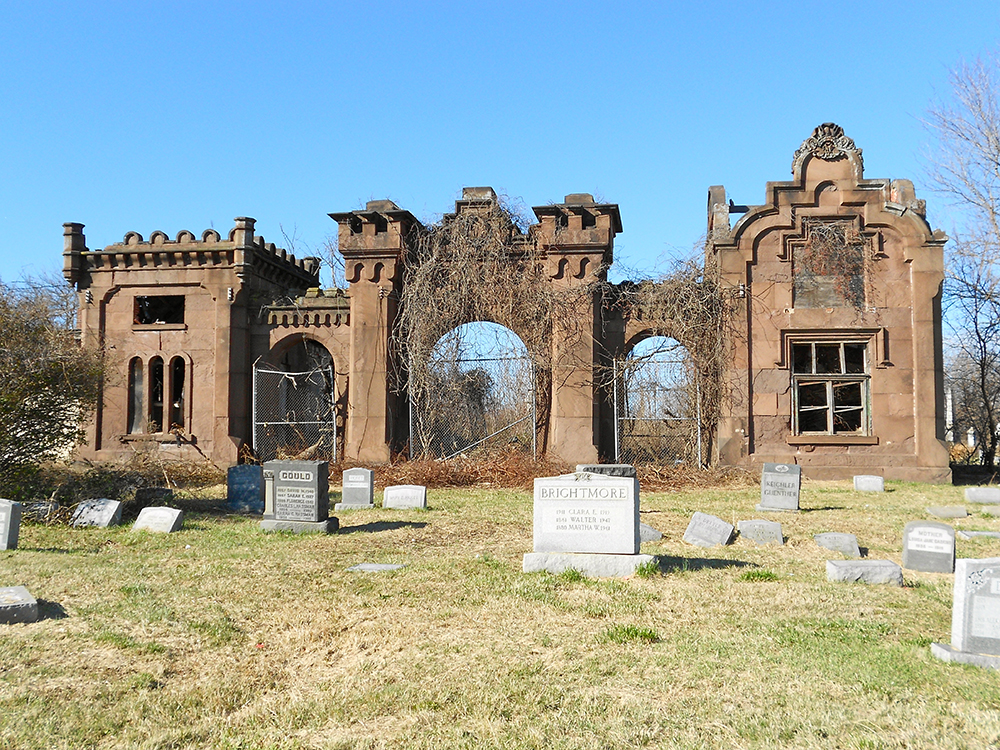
657, 410
294, 414
482, 405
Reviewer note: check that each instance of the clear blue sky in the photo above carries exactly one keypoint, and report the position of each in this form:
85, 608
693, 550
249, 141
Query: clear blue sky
141, 116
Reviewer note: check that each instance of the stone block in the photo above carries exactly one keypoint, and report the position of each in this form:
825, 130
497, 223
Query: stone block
760, 531
989, 495
967, 535
929, 546
101, 512
10, 524
864, 571
326, 526
705, 530
590, 565
948, 511
159, 520
586, 513
404, 496
17, 605
869, 483
648, 534
845, 544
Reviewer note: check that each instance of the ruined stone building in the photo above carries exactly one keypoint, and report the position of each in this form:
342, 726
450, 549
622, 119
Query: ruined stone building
832, 350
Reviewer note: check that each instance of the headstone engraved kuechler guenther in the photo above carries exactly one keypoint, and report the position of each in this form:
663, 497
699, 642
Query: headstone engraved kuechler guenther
779, 487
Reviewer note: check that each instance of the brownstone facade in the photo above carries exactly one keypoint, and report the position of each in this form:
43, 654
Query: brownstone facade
835, 358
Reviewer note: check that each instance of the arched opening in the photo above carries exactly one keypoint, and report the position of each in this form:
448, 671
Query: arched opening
658, 404
156, 395
136, 414
476, 393
177, 393
294, 403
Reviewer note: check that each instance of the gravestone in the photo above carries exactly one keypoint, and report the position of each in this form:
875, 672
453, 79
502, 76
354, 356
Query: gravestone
404, 496
145, 496
10, 523
779, 487
990, 495
967, 535
990, 510
760, 531
608, 470
864, 571
101, 512
845, 544
707, 531
929, 547
948, 511
301, 500
975, 614
159, 520
17, 605
869, 483
40, 511
358, 490
245, 488
648, 534
586, 522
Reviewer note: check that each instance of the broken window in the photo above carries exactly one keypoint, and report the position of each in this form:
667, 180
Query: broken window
830, 391
177, 393
156, 395
136, 414
159, 310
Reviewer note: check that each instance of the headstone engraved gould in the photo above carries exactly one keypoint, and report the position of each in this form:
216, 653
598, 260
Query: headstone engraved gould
301, 497
975, 614
779, 487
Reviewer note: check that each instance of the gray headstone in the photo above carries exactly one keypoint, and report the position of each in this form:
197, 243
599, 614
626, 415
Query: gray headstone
648, 534
357, 489
145, 496
404, 496
301, 491
159, 520
869, 483
374, 567
990, 510
982, 495
929, 546
100, 512
864, 571
586, 513
609, 470
591, 566
17, 605
975, 614
245, 488
10, 523
707, 531
845, 544
967, 535
779, 487
39, 511
948, 511
761, 532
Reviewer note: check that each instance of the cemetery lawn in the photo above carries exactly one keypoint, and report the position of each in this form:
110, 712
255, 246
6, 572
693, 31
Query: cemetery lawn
221, 636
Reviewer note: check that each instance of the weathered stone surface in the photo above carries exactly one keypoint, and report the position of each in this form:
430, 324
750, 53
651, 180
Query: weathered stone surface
586, 513
327, 526
245, 488
760, 531
929, 546
146, 496
845, 544
17, 605
100, 512
375, 567
967, 535
10, 524
869, 483
864, 571
608, 470
975, 614
39, 511
301, 490
590, 565
947, 653
404, 496
990, 510
779, 487
948, 511
705, 530
982, 495
159, 520
648, 534
357, 490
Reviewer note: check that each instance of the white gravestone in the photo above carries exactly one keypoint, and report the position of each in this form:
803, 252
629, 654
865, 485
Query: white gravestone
948, 511
985, 495
707, 531
779, 487
101, 512
975, 614
357, 490
869, 483
159, 520
404, 496
929, 547
760, 531
10, 523
17, 605
836, 541
586, 522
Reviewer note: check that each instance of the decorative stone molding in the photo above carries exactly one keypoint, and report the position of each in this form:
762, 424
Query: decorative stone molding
828, 143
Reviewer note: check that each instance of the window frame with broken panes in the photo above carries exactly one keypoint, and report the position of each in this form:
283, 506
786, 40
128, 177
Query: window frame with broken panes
831, 379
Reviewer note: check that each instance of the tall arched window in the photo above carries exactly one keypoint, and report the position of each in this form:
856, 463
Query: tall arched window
136, 414
176, 393
156, 394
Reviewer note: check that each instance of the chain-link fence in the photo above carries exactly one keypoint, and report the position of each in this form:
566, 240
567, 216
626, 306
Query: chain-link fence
657, 409
294, 414
473, 404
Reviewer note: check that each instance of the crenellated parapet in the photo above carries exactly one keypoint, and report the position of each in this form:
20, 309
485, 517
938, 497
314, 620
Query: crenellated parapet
375, 241
241, 251
327, 308
577, 236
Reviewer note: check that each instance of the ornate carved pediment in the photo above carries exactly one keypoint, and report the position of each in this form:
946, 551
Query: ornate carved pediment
829, 143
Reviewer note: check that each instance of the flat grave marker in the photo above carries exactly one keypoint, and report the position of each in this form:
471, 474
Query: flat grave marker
948, 511
159, 520
779, 487
869, 483
988, 495
404, 496
929, 546
357, 490
864, 571
10, 524
760, 531
705, 530
17, 605
101, 512
975, 614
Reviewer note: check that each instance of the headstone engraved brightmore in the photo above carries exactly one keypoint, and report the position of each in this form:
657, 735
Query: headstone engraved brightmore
101, 512
10, 523
301, 501
975, 614
929, 547
357, 490
779, 487
404, 496
586, 522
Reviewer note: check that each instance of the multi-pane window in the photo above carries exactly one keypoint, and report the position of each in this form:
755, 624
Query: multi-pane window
830, 382
148, 385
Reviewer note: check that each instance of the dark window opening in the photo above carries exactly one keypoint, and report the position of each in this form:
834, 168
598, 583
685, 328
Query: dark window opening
159, 310
177, 393
156, 395
830, 388
136, 422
